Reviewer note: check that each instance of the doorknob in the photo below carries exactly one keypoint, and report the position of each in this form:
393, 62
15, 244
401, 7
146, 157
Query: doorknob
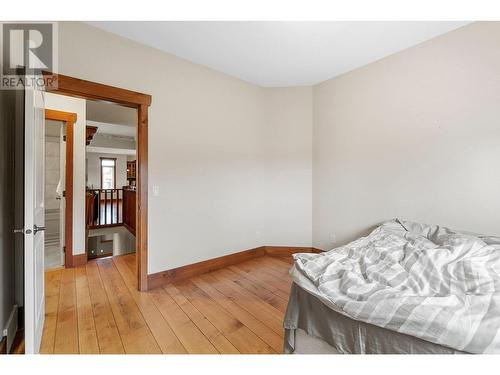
37, 229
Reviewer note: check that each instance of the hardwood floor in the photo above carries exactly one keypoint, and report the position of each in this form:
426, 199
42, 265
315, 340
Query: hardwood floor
96, 308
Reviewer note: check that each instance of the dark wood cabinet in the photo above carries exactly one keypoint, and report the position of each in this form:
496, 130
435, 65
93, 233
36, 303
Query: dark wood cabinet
131, 170
129, 213
89, 134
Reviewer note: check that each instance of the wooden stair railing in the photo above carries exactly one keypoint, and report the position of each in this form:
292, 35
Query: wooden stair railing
104, 208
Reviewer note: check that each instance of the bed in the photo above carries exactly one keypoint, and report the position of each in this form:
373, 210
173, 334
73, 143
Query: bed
405, 288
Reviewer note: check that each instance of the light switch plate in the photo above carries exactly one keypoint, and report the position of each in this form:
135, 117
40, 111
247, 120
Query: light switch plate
156, 190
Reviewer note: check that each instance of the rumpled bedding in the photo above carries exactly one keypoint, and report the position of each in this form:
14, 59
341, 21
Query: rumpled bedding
423, 280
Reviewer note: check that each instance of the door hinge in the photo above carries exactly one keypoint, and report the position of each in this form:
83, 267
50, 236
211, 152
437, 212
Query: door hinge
64, 249
64, 138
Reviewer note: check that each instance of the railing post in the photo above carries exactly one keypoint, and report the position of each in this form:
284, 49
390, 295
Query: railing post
118, 206
112, 202
99, 208
105, 207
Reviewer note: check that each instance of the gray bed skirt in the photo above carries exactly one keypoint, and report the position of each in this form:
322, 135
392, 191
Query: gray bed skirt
312, 327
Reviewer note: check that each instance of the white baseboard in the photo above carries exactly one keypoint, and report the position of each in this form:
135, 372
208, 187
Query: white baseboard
10, 329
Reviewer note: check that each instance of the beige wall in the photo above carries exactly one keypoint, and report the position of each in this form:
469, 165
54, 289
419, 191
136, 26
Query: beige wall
211, 137
415, 135
412, 135
287, 148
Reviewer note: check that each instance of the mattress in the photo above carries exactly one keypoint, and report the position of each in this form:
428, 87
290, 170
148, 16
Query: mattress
311, 327
425, 281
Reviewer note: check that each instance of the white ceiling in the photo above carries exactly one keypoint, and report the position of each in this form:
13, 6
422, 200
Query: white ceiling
277, 54
111, 113
110, 150
114, 129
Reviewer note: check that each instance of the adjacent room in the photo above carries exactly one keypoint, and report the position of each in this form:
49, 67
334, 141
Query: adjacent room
110, 177
259, 188
54, 209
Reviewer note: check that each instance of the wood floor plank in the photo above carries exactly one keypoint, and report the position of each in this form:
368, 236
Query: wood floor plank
264, 294
268, 264
161, 330
108, 337
97, 308
266, 277
188, 333
259, 281
87, 335
254, 278
230, 321
288, 260
270, 337
221, 343
134, 332
66, 337
267, 314
131, 262
277, 263
53, 282
264, 266
52, 290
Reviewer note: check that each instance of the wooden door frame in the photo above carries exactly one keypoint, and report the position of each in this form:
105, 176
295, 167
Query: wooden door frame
69, 119
65, 85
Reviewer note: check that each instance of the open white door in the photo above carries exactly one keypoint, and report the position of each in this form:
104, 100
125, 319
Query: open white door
34, 218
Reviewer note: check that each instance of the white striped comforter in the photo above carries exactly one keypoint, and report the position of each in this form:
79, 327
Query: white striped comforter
426, 281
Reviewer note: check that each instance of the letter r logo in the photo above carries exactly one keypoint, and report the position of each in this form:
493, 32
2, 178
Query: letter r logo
29, 46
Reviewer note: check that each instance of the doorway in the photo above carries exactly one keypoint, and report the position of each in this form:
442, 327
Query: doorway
59, 195
70, 86
110, 175
55, 163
